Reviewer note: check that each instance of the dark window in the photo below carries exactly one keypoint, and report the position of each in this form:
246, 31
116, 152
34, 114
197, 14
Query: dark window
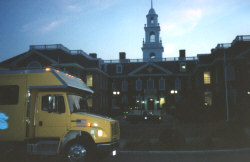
9, 95
152, 20
118, 68
53, 104
152, 55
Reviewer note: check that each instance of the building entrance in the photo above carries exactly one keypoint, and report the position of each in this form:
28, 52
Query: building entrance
151, 102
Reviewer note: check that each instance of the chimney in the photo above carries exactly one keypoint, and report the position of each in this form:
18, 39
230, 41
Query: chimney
122, 55
93, 55
182, 53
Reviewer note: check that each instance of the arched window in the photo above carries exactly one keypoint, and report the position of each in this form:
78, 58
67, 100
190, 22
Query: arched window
152, 37
152, 20
152, 55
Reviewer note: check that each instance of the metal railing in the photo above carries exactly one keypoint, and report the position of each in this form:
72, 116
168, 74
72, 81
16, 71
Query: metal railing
150, 60
61, 47
223, 46
241, 38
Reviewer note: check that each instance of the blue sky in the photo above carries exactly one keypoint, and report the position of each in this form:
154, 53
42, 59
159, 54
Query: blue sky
107, 27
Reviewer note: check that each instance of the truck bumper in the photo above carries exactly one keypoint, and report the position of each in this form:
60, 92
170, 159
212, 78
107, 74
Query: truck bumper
107, 147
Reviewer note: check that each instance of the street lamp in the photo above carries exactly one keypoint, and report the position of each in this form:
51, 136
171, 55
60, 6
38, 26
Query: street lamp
173, 91
116, 93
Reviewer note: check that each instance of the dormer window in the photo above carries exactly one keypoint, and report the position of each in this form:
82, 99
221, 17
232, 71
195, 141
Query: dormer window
183, 67
118, 68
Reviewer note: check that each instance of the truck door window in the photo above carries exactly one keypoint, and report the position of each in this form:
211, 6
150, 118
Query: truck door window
52, 103
77, 103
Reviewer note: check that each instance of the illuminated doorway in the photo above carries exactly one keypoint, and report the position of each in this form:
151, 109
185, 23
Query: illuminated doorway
151, 103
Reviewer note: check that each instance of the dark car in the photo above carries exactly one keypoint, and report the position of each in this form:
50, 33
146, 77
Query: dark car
146, 116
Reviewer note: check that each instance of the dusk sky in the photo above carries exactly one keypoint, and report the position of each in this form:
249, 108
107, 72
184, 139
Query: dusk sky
107, 27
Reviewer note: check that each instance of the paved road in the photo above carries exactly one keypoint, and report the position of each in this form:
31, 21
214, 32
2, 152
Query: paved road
240, 155
234, 155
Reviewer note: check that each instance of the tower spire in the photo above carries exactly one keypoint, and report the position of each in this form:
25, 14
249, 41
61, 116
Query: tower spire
152, 45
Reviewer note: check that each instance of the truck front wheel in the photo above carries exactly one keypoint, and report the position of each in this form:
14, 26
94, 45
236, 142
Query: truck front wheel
76, 152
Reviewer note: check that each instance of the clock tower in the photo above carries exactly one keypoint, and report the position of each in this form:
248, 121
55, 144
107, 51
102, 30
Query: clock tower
152, 45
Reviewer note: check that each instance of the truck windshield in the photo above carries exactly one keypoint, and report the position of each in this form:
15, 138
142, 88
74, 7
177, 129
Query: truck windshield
77, 103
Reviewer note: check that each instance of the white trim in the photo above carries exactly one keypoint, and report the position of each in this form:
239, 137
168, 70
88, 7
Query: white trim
166, 71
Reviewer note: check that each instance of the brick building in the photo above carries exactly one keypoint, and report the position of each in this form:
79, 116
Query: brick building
217, 82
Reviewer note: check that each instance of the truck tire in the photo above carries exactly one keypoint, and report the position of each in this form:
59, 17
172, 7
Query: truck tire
78, 151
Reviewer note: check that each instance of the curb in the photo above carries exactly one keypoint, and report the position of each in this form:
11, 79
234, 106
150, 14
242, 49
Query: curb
185, 151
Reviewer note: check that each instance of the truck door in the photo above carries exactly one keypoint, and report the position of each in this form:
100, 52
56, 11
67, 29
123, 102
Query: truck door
53, 118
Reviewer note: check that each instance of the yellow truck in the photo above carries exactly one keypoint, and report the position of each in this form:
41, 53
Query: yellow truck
44, 112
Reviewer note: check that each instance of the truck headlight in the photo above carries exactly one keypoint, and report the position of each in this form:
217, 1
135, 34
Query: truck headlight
100, 133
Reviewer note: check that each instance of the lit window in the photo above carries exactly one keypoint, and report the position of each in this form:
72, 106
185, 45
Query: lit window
162, 102
138, 84
90, 102
89, 80
183, 67
152, 37
207, 78
118, 68
162, 84
207, 98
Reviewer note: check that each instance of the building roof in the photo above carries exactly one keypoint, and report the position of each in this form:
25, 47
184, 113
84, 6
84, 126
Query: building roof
151, 12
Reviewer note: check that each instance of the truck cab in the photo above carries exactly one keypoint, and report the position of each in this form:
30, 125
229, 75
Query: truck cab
45, 112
